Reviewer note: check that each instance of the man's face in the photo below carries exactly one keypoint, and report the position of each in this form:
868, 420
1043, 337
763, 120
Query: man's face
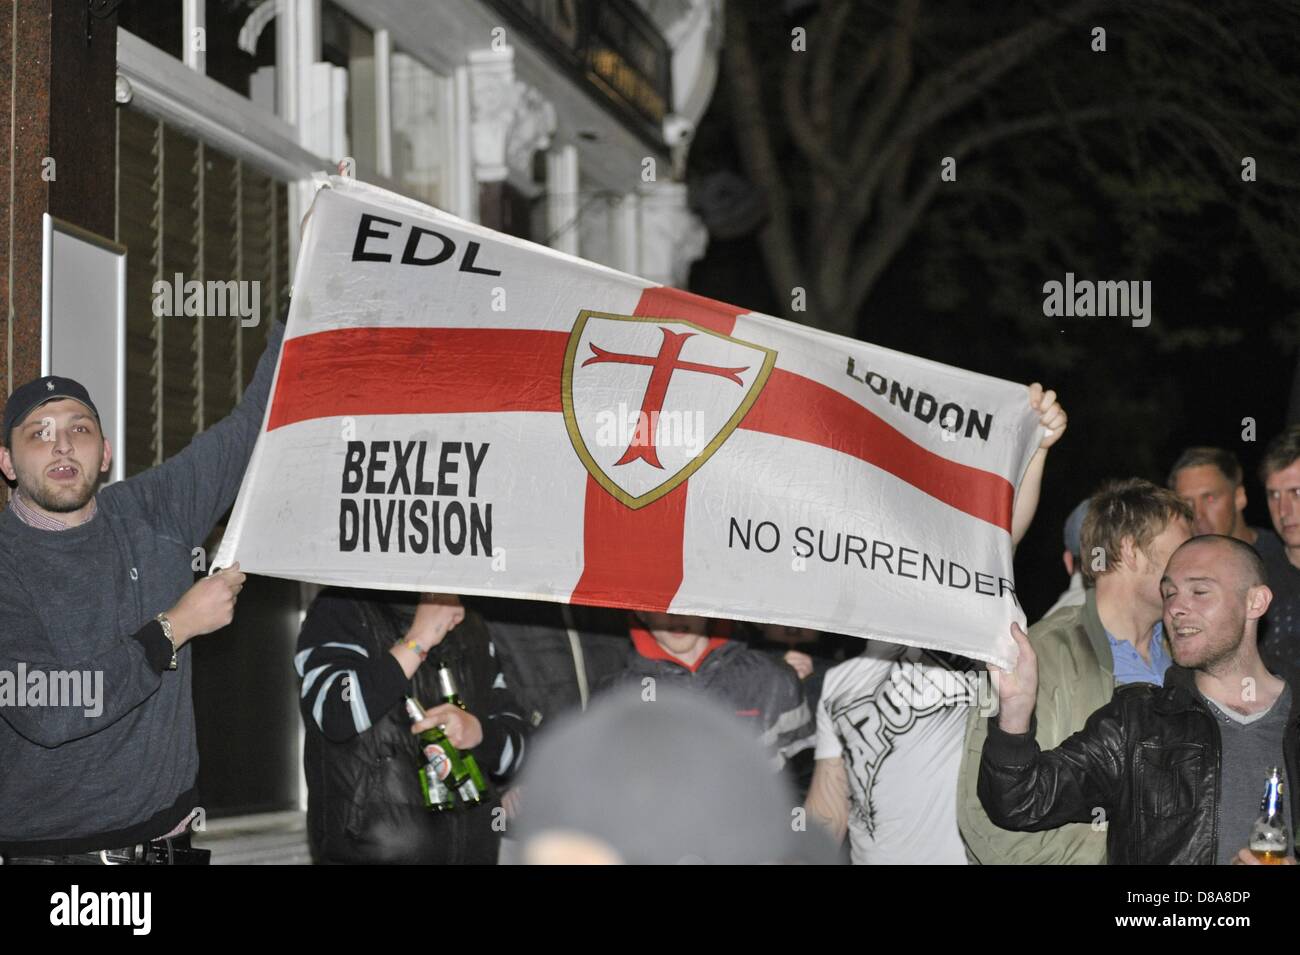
1282, 488
56, 456
1151, 562
675, 632
1217, 502
1205, 605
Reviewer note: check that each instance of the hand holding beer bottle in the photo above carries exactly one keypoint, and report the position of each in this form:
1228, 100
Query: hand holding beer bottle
438, 761
462, 731
477, 789
1270, 840
462, 728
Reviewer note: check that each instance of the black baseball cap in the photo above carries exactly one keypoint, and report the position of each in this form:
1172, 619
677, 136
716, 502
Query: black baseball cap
25, 399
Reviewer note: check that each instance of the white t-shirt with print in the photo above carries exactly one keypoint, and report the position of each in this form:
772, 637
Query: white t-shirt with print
897, 717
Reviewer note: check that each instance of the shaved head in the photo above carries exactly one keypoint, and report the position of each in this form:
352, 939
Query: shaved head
1215, 591
1247, 568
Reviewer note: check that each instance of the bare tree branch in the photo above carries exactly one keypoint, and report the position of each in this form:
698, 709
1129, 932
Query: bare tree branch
881, 249
810, 137
890, 88
953, 89
1008, 52
866, 70
839, 236
884, 245
836, 19
899, 75
758, 156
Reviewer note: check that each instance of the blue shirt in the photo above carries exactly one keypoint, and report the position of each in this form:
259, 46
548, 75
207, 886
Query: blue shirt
1129, 665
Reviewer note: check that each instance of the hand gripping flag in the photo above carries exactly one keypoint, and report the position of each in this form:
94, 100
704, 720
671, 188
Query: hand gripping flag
458, 410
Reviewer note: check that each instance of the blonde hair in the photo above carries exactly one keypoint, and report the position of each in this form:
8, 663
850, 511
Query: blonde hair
1131, 508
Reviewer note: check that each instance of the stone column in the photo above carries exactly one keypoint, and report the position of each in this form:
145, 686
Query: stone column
562, 200
672, 237
509, 121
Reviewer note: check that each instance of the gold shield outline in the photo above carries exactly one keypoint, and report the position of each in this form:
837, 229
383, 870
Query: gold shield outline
580, 446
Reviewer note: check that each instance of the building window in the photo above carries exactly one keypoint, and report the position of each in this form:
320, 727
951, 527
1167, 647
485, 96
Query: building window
235, 45
420, 129
347, 43
186, 208
240, 41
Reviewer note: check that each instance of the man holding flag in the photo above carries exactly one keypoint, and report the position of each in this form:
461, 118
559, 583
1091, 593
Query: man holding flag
97, 588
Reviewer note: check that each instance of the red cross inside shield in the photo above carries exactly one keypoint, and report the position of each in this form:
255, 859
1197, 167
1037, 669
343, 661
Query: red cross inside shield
647, 401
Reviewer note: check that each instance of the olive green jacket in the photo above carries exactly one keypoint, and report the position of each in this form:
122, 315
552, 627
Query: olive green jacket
1076, 676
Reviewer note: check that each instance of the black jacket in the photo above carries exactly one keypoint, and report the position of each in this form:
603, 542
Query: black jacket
547, 672
1149, 759
765, 693
361, 759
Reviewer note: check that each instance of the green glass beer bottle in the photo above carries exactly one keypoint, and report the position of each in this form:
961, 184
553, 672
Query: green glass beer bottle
437, 763
476, 780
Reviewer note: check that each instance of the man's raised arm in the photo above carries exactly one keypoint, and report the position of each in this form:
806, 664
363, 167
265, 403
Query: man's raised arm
1021, 787
194, 487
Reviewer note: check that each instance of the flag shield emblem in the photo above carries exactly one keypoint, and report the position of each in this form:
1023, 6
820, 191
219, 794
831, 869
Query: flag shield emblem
647, 401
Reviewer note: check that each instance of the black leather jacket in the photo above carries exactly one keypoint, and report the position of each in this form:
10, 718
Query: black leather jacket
1149, 760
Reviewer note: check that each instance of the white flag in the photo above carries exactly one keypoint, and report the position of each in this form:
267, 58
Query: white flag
458, 410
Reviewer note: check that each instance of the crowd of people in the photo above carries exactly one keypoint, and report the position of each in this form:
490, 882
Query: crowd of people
1143, 713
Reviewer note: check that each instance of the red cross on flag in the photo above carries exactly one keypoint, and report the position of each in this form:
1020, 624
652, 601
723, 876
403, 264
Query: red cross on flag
660, 445
458, 410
